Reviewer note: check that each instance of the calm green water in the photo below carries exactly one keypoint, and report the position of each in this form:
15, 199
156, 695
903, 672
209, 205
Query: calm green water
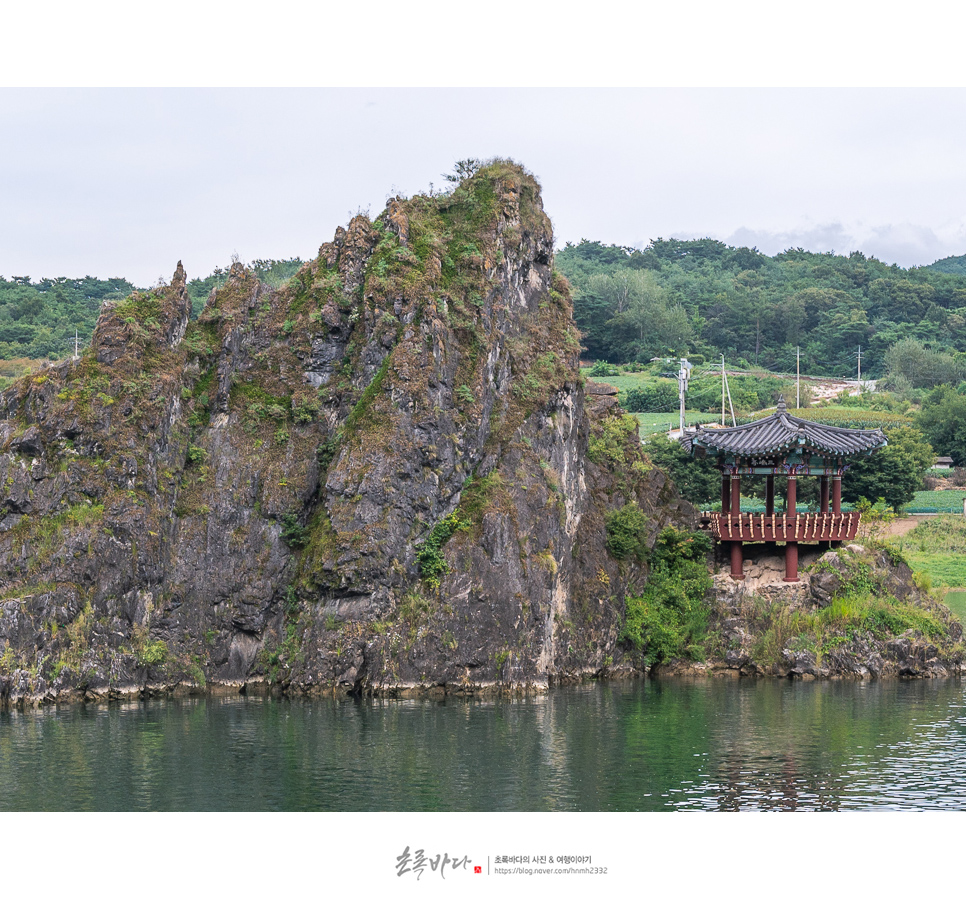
708, 745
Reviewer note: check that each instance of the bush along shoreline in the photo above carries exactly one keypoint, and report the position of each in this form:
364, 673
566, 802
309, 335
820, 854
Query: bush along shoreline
859, 612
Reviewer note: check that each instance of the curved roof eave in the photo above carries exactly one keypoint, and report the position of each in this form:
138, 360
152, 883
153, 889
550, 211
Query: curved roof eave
780, 432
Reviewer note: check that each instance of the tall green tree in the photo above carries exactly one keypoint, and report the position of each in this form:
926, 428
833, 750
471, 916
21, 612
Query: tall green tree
922, 366
642, 323
893, 473
943, 422
698, 480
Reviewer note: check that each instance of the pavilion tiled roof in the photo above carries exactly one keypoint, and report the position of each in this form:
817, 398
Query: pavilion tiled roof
776, 434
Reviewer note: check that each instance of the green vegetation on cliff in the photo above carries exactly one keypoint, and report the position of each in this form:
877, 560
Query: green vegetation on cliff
877, 606
669, 618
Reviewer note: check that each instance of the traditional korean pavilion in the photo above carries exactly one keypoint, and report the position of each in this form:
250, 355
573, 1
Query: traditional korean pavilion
783, 445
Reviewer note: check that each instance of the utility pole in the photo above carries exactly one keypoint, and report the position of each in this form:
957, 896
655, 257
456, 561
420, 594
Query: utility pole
75, 341
683, 376
798, 377
860, 368
731, 405
722, 390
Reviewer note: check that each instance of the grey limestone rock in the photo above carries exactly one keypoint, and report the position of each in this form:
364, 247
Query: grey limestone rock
255, 497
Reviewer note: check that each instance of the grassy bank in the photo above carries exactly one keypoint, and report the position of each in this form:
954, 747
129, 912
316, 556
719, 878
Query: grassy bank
835, 626
937, 549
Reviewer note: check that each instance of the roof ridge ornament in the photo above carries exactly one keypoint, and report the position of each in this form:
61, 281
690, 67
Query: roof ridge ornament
781, 408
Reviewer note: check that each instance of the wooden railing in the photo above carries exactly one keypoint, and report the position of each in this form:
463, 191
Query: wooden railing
783, 528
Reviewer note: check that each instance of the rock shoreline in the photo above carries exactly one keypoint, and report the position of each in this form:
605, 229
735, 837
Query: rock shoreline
911, 663
744, 612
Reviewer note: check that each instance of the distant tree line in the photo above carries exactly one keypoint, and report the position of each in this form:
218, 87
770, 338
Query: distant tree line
680, 296
38, 319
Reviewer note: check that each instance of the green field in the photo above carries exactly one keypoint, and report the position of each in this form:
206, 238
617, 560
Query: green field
844, 417
956, 601
626, 381
948, 501
652, 422
942, 569
937, 548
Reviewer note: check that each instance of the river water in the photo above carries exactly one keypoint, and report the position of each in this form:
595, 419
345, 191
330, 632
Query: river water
627, 746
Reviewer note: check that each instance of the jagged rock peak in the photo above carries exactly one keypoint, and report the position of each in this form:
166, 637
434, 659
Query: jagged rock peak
380, 475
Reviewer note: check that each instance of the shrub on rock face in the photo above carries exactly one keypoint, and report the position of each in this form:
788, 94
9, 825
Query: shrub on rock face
429, 554
669, 619
627, 532
294, 533
676, 546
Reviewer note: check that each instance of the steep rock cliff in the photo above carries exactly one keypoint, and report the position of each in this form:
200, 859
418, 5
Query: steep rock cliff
385, 475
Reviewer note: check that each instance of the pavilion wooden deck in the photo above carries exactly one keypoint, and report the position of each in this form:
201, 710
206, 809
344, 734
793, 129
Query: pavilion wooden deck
784, 528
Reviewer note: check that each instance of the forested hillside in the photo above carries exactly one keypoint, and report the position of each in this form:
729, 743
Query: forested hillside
673, 298
677, 297
954, 265
39, 319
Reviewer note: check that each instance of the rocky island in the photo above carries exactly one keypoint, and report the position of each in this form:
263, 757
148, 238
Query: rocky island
384, 477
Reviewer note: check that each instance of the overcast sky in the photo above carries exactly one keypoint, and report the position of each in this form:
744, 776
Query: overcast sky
125, 182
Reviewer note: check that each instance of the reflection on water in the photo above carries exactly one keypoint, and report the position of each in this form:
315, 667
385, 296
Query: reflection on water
637, 746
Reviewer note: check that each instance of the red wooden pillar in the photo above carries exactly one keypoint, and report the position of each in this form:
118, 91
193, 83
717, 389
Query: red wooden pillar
823, 501
791, 561
836, 503
770, 493
736, 561
731, 505
791, 546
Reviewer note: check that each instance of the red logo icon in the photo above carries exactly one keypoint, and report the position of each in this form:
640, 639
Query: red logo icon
478, 870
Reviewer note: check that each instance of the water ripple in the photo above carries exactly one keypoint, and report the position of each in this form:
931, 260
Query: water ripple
639, 746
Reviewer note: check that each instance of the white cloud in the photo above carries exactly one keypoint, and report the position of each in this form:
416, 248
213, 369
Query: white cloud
126, 182
906, 244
